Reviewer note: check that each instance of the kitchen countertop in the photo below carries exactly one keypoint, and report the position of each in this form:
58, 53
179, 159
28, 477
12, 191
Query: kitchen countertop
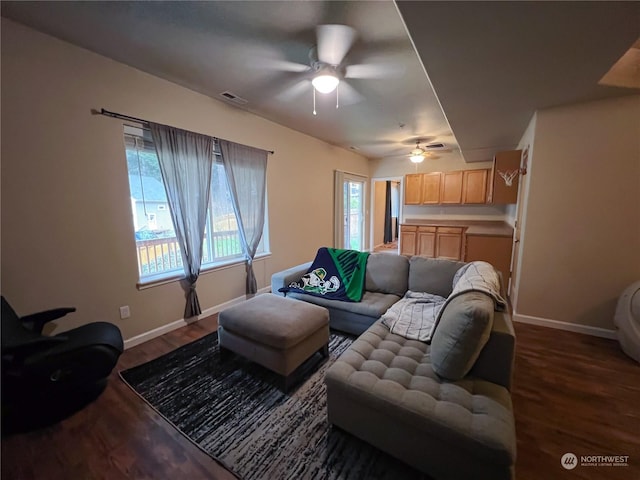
474, 227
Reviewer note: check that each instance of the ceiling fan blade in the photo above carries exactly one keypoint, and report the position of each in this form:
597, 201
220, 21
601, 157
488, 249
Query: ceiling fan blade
293, 91
374, 71
269, 58
281, 65
420, 138
348, 95
334, 41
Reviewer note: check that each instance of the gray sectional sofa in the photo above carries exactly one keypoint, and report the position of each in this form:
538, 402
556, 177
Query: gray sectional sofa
386, 282
444, 408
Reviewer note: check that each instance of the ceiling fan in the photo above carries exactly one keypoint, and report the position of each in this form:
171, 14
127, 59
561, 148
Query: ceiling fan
418, 154
328, 68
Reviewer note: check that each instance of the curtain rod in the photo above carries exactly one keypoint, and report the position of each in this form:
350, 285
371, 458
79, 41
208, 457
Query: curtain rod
121, 116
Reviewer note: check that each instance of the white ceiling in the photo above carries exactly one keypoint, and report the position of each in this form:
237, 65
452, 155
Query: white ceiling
492, 64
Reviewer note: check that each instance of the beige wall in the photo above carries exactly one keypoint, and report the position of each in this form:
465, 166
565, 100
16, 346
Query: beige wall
450, 212
582, 225
67, 232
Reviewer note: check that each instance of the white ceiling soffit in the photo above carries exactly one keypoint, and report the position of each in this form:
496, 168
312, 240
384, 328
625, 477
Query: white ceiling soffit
492, 64
259, 51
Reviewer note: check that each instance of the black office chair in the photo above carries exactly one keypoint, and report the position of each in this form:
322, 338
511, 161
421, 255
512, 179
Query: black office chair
50, 372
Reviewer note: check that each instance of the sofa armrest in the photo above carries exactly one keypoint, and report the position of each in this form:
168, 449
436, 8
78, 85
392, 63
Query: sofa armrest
495, 363
285, 277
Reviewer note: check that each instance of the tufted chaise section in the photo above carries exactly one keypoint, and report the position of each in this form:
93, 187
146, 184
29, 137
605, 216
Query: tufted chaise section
384, 390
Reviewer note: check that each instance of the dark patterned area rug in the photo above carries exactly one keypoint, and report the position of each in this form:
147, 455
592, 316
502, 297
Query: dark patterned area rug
235, 412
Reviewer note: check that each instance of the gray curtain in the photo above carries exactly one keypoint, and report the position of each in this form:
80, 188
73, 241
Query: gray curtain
246, 171
186, 163
388, 226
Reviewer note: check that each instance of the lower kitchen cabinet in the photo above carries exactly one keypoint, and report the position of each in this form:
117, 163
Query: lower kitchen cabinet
467, 243
449, 243
493, 249
429, 241
426, 241
408, 239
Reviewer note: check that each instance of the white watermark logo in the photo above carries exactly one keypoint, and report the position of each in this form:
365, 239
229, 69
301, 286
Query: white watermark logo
569, 461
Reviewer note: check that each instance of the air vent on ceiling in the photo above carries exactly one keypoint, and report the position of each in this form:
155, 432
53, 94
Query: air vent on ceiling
435, 146
233, 98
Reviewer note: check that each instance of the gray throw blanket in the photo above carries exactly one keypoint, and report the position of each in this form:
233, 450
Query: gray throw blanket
416, 316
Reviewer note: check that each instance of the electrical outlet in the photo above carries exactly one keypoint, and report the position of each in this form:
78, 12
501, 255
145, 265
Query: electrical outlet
125, 312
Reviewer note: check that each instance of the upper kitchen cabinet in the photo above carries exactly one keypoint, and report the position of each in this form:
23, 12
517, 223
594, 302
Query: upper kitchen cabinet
451, 188
413, 189
447, 188
505, 177
431, 188
474, 186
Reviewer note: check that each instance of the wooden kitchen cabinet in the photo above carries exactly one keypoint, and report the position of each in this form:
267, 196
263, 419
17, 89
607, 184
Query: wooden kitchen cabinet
451, 187
408, 239
474, 186
447, 188
431, 241
431, 188
488, 241
493, 249
449, 243
426, 241
505, 164
413, 189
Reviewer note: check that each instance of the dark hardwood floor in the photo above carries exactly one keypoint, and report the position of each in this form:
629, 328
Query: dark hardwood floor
575, 394
572, 393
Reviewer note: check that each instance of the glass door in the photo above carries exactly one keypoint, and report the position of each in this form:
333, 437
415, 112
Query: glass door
350, 211
353, 212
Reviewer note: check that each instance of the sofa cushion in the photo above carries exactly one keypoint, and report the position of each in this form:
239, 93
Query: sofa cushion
432, 275
395, 376
387, 274
463, 330
372, 304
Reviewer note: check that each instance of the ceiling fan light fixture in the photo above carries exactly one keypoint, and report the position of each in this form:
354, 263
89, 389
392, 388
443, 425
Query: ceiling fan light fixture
417, 154
325, 82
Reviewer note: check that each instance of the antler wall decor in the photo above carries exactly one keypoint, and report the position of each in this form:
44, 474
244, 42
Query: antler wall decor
508, 176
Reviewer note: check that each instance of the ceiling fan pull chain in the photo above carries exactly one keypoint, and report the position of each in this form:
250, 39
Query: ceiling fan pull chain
314, 101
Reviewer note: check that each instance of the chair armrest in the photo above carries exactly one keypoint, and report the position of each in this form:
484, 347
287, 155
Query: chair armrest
26, 348
36, 321
285, 277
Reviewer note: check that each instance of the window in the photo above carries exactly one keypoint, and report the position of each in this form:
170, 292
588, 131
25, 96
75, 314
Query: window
157, 248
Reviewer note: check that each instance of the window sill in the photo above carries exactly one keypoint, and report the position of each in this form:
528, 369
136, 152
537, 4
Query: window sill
158, 280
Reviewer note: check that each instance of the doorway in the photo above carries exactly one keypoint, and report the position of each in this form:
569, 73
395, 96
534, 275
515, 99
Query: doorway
351, 201
386, 213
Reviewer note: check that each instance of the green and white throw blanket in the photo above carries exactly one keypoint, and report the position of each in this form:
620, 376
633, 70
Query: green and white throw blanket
335, 274
416, 316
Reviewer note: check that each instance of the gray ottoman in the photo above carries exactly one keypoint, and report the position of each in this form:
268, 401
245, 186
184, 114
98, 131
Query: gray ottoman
276, 332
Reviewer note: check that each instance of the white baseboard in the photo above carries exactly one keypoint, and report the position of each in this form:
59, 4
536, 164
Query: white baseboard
156, 332
571, 327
